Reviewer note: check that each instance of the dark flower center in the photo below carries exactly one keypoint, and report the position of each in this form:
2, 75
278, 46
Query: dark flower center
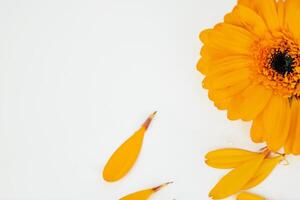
282, 63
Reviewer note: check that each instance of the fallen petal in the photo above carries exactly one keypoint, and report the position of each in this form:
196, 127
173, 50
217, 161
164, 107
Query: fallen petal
126, 155
144, 194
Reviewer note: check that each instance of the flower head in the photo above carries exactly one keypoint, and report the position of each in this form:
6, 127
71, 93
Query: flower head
251, 63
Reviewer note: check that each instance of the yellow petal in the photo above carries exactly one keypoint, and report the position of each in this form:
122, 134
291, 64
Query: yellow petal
294, 128
257, 130
268, 10
205, 35
245, 17
230, 63
281, 12
211, 52
144, 194
263, 171
245, 2
125, 156
248, 3
249, 103
296, 131
222, 104
203, 65
219, 81
228, 38
228, 158
292, 17
227, 71
236, 178
276, 122
249, 196
225, 93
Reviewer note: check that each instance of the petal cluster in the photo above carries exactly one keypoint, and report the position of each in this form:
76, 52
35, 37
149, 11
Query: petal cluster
248, 169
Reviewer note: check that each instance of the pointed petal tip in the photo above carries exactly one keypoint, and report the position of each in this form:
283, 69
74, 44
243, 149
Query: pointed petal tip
153, 114
148, 120
162, 186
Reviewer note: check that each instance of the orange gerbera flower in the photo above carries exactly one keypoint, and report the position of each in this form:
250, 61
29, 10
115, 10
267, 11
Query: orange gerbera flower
252, 66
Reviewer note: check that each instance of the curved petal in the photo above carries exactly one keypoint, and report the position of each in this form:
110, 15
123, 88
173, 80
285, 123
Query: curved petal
276, 119
294, 127
203, 65
204, 35
296, 131
227, 72
222, 104
223, 80
228, 92
248, 3
268, 10
222, 97
281, 13
230, 38
257, 130
250, 103
246, 18
230, 63
292, 17
210, 52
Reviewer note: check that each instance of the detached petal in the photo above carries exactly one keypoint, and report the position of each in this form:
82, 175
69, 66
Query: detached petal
229, 157
263, 171
249, 196
236, 179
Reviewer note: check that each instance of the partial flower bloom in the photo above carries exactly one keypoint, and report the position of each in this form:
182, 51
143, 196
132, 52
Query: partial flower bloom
251, 63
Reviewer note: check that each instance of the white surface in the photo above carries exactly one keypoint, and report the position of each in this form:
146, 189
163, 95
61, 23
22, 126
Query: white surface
77, 77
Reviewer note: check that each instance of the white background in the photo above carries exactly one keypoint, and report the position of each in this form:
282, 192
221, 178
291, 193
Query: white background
78, 77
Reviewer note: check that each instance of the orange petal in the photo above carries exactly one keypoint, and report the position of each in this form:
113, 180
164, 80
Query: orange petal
292, 17
249, 196
247, 18
250, 103
248, 3
276, 119
219, 81
144, 194
230, 38
257, 130
296, 131
268, 10
228, 92
222, 104
236, 178
126, 155
203, 65
228, 157
263, 171
281, 13
294, 127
